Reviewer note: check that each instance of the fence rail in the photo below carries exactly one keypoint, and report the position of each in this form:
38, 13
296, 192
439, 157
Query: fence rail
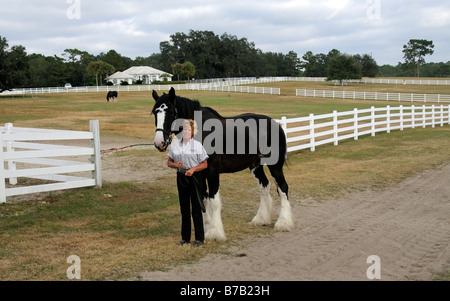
259, 80
217, 86
388, 96
396, 81
30, 153
314, 130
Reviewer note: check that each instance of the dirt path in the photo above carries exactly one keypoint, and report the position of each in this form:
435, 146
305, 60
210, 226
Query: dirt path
407, 226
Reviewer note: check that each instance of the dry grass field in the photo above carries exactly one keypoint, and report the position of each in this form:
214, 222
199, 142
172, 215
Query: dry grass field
129, 226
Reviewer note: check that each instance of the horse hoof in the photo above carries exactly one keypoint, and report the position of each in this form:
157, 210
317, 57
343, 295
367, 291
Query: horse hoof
215, 235
258, 221
284, 226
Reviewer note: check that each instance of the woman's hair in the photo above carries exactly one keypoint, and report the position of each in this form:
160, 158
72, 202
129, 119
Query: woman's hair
192, 124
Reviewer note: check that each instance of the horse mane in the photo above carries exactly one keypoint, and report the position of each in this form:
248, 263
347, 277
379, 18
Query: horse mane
188, 105
214, 112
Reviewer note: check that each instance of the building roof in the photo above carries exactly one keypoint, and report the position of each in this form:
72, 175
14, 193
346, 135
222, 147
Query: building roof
136, 71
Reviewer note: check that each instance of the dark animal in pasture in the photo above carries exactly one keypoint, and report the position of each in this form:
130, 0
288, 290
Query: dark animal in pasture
111, 95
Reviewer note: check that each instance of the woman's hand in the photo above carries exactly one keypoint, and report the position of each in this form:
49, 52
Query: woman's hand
172, 164
199, 167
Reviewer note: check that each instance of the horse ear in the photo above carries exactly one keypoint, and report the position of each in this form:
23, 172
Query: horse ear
155, 95
172, 95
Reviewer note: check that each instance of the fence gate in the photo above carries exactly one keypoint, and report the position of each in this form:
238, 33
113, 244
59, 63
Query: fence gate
31, 153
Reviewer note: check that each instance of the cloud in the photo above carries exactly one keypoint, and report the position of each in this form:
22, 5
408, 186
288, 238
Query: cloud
135, 28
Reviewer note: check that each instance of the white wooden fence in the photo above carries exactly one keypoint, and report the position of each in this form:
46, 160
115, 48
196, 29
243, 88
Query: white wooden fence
231, 81
314, 130
217, 86
397, 81
239, 89
388, 96
24, 157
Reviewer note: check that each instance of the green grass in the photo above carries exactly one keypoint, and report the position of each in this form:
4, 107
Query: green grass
443, 275
124, 228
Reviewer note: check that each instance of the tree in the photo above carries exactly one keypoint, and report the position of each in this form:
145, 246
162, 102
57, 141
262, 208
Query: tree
343, 66
292, 64
119, 62
164, 76
188, 69
14, 66
76, 62
415, 51
368, 64
95, 68
106, 69
73, 55
315, 65
176, 70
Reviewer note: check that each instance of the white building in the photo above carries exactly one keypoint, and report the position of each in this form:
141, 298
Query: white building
144, 73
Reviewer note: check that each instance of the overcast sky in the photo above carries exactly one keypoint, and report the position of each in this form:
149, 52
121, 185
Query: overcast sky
135, 28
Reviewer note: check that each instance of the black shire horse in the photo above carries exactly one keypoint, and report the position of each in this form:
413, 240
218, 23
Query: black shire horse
233, 144
111, 94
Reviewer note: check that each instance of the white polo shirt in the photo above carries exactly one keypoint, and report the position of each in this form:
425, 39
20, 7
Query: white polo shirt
191, 154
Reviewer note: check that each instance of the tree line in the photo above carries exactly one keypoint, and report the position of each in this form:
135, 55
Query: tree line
205, 55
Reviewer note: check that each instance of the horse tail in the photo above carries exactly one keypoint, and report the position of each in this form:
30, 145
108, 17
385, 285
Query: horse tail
285, 147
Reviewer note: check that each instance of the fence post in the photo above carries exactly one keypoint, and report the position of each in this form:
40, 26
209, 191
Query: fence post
2, 172
311, 132
335, 128
433, 120
9, 148
388, 119
284, 125
423, 116
355, 123
448, 114
372, 120
413, 114
96, 159
401, 117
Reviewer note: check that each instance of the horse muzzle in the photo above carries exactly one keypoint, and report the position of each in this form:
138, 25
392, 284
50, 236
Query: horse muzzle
162, 147
161, 142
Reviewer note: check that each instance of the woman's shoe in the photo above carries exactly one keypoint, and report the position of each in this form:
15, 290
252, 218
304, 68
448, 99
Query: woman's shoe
197, 243
182, 242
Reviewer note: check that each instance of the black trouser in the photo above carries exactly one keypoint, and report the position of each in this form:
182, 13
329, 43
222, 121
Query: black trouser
190, 190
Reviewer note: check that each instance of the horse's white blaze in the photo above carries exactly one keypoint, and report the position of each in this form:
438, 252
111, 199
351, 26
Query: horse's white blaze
285, 221
213, 220
160, 117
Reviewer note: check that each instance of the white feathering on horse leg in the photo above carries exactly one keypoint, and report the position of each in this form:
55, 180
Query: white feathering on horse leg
285, 221
207, 214
264, 214
213, 220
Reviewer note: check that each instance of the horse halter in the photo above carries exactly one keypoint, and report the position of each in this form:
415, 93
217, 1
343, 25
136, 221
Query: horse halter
168, 133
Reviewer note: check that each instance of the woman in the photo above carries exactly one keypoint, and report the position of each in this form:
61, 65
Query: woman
189, 156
